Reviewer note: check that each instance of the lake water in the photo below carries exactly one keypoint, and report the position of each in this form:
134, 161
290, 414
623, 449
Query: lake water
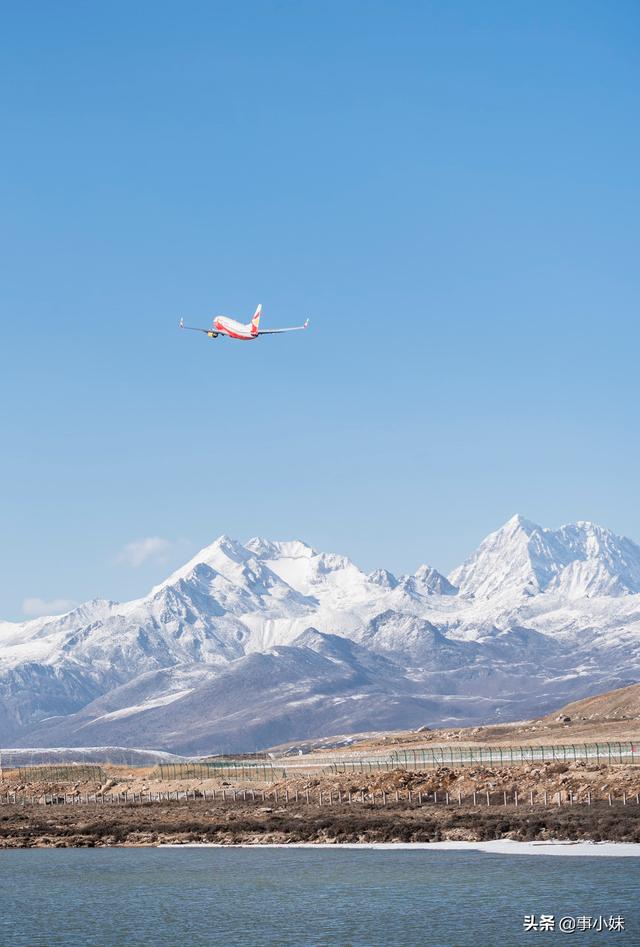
280, 896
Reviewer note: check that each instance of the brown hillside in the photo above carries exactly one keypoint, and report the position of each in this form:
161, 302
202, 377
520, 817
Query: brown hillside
621, 704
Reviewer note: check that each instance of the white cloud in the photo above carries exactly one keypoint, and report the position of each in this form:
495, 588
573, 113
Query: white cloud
37, 607
142, 550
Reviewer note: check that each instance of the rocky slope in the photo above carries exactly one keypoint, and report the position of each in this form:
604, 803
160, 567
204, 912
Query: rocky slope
617, 705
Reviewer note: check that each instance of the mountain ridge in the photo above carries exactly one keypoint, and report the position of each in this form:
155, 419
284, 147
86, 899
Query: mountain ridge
533, 618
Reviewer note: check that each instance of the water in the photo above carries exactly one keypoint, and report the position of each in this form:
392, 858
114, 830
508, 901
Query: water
255, 897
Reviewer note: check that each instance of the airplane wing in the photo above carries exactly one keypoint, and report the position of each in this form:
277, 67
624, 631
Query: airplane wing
181, 325
288, 329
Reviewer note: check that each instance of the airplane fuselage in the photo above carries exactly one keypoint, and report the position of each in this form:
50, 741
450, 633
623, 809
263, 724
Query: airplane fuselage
222, 325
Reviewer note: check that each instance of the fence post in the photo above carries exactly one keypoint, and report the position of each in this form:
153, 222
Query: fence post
474, 797
488, 798
504, 794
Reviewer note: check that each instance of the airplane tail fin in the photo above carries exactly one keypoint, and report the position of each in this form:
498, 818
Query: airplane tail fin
255, 322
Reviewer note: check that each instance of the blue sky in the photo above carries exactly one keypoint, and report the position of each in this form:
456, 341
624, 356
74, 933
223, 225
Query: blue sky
449, 190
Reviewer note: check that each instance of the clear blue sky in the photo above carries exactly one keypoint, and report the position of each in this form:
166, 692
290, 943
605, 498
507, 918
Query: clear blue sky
449, 190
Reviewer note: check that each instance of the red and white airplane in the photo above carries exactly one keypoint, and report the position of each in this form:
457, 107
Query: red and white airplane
222, 325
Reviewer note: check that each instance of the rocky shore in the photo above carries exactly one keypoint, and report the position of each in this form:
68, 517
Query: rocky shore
201, 821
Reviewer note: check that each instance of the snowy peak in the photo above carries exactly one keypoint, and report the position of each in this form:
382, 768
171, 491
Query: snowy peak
601, 563
228, 547
329, 577
518, 521
432, 582
577, 560
515, 558
221, 556
227, 579
383, 578
269, 549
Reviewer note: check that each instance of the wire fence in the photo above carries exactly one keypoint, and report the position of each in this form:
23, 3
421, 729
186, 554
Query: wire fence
426, 758
241, 770
262, 769
72, 772
609, 752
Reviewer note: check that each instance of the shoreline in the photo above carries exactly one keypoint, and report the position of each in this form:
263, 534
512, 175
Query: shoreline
555, 847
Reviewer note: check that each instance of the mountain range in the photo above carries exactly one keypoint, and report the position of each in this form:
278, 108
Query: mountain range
249, 645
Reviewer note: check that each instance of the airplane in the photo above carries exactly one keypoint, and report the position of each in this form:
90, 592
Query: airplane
222, 325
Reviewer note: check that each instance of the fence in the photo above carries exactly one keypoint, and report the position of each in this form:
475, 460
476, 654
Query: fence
426, 758
320, 798
617, 752
240, 770
72, 772
259, 769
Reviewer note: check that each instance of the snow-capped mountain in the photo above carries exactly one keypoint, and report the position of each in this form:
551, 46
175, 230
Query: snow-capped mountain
257, 643
578, 560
